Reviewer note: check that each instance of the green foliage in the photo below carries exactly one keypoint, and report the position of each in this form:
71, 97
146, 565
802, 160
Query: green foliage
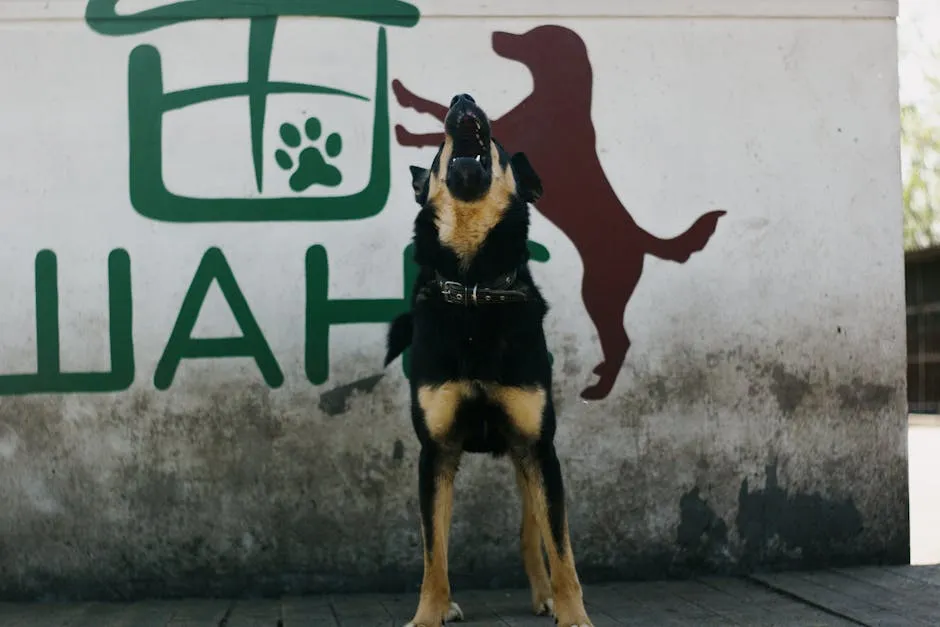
920, 129
920, 154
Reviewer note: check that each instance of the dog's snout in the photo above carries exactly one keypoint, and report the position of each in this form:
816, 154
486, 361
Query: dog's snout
466, 118
464, 104
462, 99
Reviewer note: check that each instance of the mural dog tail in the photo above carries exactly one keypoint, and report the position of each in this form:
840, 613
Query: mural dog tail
681, 247
399, 337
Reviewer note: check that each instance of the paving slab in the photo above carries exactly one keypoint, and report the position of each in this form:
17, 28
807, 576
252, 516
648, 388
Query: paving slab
886, 597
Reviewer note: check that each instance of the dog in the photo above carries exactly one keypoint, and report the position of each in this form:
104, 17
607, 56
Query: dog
553, 127
481, 377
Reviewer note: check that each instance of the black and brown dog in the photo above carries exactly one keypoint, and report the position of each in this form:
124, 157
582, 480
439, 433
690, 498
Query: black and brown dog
481, 378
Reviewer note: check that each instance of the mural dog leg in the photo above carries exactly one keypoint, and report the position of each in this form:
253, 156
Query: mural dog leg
605, 298
409, 100
607, 293
480, 369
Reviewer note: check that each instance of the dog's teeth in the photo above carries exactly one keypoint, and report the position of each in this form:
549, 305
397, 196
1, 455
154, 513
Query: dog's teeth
477, 158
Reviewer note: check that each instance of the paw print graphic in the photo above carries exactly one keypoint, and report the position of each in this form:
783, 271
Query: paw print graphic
309, 167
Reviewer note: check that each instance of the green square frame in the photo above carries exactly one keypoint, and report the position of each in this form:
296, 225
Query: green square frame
147, 104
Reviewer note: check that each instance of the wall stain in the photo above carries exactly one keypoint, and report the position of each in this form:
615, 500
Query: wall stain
335, 402
571, 364
229, 489
702, 534
864, 396
807, 529
788, 389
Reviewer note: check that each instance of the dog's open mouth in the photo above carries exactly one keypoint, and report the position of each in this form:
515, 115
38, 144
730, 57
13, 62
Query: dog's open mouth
469, 168
471, 139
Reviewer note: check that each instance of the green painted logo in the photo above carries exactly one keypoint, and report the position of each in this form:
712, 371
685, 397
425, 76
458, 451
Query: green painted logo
305, 153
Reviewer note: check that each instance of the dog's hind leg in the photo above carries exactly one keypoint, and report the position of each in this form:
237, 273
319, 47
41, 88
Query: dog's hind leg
407, 99
530, 540
526, 409
543, 481
605, 297
532, 416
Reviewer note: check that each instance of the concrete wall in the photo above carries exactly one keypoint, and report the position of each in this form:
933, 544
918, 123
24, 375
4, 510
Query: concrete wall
758, 419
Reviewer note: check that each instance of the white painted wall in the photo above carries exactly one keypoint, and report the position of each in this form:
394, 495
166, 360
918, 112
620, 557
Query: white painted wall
779, 345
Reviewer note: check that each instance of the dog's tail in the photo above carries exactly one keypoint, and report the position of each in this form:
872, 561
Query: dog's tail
680, 248
399, 337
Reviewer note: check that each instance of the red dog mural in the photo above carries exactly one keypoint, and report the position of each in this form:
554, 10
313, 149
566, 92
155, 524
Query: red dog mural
553, 127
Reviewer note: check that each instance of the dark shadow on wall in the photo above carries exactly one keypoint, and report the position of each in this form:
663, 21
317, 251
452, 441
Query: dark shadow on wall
702, 535
777, 528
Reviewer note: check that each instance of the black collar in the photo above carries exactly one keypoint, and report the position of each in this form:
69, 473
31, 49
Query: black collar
494, 292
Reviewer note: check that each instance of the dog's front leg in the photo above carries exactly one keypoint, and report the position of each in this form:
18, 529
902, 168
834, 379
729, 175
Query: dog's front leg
411, 101
542, 480
436, 470
434, 413
407, 138
407, 99
530, 541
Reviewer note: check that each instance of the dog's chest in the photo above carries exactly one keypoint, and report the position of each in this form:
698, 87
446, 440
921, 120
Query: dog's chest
463, 227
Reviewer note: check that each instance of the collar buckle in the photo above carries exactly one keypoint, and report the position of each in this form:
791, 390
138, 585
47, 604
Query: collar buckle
455, 293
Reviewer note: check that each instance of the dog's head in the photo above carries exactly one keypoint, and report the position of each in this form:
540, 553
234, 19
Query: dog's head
471, 170
548, 48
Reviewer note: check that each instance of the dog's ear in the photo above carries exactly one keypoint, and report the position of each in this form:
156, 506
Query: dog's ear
527, 181
419, 183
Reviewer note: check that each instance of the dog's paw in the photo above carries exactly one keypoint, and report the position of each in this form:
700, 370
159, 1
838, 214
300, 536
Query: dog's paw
402, 136
452, 615
543, 607
402, 95
596, 392
572, 616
